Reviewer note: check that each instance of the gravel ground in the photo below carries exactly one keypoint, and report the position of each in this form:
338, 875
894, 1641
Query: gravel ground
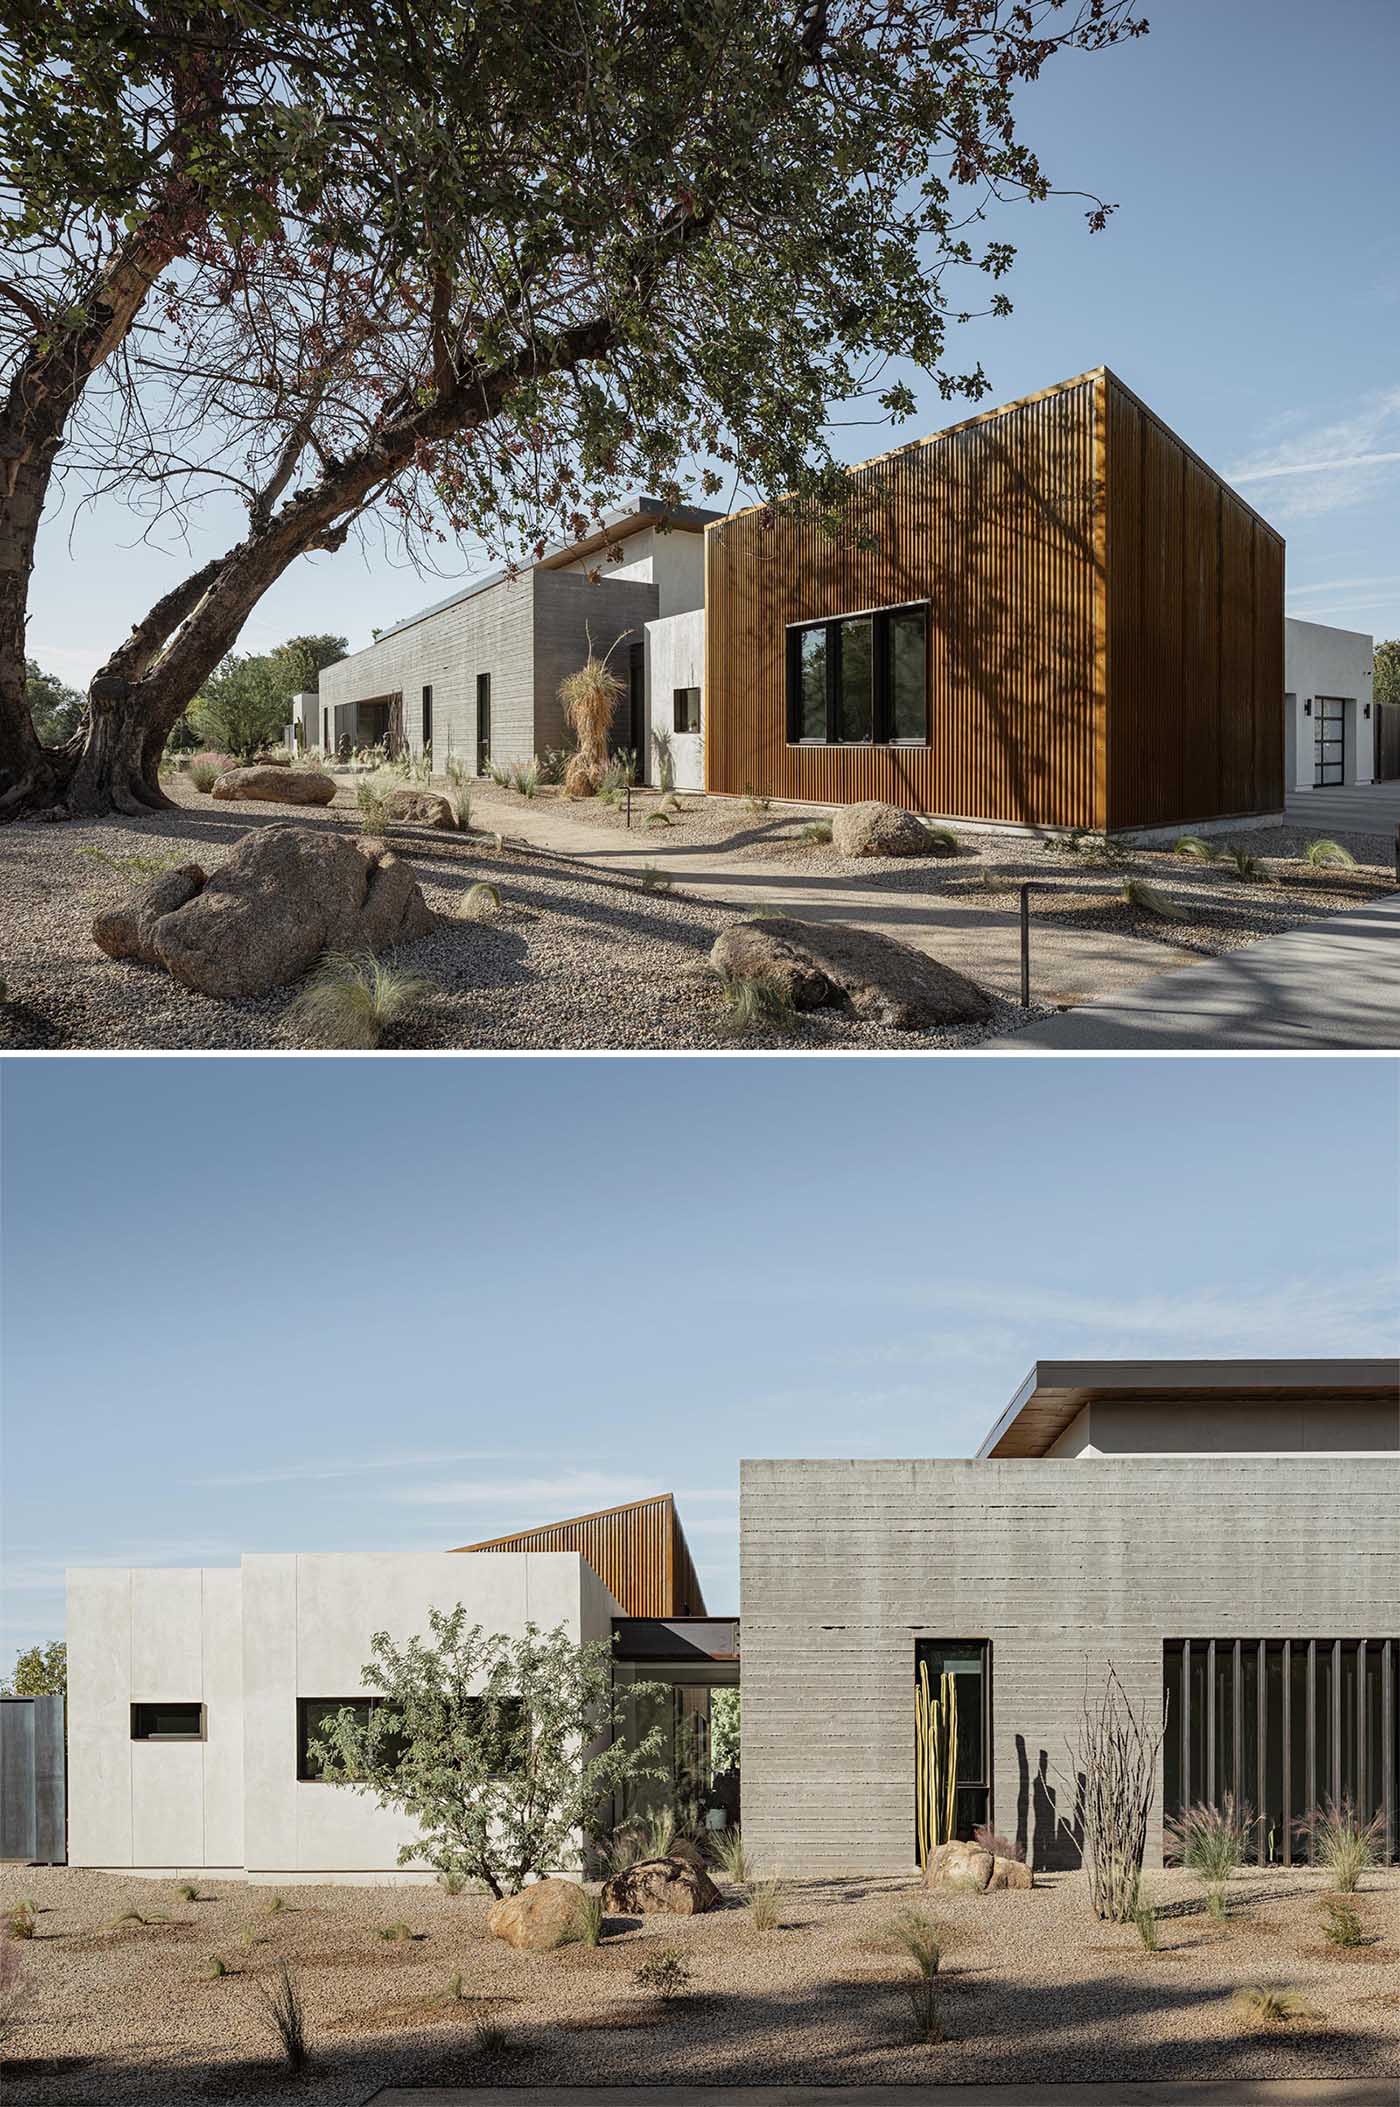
575, 959
1034, 1989
1220, 910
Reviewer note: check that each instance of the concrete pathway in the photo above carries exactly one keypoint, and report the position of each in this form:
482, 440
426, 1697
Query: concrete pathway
1355, 808
1332, 986
980, 940
1335, 2092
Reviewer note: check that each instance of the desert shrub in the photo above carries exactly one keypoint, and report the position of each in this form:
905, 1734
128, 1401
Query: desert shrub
524, 777
756, 1001
659, 1832
247, 1938
1145, 1923
285, 2014
1115, 1769
919, 1937
625, 1847
130, 1916
987, 1839
1275, 2005
591, 1920
730, 1854
1343, 1843
275, 1904
20, 1921
817, 831
499, 772
1210, 1842
928, 2016
753, 802
396, 1931
765, 1905
481, 902
187, 1892
1329, 855
491, 2037
353, 998
652, 880
658, 818
665, 1975
205, 769
552, 764
215, 1966
454, 1992
942, 841
451, 1880
1340, 1924
11, 1991
1247, 866
1147, 900
462, 805
589, 697
371, 795
1196, 847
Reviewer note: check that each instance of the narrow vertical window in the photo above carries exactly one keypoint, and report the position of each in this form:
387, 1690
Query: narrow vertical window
855, 683
811, 713
908, 674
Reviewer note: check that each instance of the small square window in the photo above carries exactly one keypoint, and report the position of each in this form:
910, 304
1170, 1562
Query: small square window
687, 709
162, 1722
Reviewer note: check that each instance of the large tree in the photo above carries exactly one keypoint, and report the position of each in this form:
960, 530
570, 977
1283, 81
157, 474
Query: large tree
246, 702
1387, 669
595, 243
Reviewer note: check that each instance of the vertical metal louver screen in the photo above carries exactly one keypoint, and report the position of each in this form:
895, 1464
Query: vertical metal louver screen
1284, 1725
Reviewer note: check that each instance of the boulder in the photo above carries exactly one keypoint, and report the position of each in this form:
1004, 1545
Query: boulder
873, 829
1009, 1873
285, 895
419, 808
279, 785
660, 1887
548, 1913
884, 981
957, 1865
129, 930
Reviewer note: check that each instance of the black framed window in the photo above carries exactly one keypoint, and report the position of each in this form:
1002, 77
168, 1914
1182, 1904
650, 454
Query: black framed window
969, 1662
860, 680
686, 710
315, 1715
1284, 1725
167, 1722
427, 717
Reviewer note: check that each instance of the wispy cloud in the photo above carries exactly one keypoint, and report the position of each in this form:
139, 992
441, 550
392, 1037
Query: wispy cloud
1343, 462
549, 1498
318, 1470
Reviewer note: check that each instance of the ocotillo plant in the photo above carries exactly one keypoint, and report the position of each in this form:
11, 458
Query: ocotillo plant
935, 1761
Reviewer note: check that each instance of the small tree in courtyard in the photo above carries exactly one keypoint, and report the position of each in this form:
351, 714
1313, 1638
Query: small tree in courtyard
498, 1748
1115, 1768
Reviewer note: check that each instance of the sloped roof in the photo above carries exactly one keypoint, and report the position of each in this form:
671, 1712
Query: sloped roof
638, 1550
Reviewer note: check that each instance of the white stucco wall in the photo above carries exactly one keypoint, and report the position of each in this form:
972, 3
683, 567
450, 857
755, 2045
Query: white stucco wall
1320, 660
248, 1643
673, 561
675, 658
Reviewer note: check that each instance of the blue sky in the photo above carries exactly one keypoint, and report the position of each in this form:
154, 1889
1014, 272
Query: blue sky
321, 1305
1248, 287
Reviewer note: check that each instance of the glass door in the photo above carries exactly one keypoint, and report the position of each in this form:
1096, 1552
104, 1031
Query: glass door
969, 1663
1329, 766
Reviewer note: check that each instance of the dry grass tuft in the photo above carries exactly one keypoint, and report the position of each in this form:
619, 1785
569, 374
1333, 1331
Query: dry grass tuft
1329, 855
756, 1001
765, 1905
482, 902
590, 698
731, 1856
1272, 2005
1147, 900
285, 2013
665, 1975
352, 999
918, 1936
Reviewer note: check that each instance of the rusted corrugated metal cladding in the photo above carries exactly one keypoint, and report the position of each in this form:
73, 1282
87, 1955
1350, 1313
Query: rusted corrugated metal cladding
994, 524
1195, 627
639, 1552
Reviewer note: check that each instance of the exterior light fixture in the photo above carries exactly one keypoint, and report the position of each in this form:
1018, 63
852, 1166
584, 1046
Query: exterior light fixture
1307, 707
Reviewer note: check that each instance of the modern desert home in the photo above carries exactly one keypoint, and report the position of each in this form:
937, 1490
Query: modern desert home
1052, 615
1225, 1534
476, 676
194, 1694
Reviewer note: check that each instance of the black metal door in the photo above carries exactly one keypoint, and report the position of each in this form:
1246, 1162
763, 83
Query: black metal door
637, 709
427, 719
483, 722
1329, 763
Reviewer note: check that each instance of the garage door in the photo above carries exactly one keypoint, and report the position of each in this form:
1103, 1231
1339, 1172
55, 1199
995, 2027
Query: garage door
1329, 765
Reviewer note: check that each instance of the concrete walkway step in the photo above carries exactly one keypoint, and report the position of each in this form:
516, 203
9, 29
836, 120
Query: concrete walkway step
1271, 2092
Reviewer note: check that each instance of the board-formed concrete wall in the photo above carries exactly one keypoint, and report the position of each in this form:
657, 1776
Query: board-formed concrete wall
248, 1643
1064, 1566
